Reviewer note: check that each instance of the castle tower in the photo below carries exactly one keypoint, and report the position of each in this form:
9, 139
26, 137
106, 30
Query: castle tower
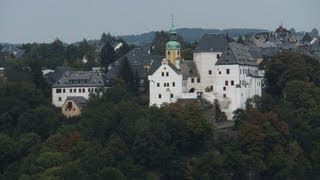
173, 48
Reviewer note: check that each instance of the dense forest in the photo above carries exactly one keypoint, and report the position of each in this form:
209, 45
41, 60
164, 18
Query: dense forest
118, 136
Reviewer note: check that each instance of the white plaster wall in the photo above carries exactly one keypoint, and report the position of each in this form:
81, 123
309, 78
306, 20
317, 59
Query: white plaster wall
206, 61
65, 92
165, 91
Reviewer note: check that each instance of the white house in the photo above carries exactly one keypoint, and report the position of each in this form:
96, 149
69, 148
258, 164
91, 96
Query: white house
76, 83
237, 78
165, 84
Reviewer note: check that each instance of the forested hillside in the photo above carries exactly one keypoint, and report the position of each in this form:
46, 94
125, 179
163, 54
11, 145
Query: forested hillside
119, 137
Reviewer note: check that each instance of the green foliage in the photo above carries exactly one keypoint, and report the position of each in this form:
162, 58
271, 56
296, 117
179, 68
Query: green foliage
107, 55
41, 120
117, 136
162, 37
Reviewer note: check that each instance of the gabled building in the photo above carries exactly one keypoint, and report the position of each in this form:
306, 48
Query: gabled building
75, 84
11, 49
238, 78
73, 105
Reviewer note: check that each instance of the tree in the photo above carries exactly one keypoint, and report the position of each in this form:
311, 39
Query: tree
293, 31
106, 39
127, 75
7, 150
41, 120
107, 55
240, 40
38, 78
315, 31
110, 173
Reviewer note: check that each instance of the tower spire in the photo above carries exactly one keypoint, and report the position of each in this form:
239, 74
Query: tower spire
172, 20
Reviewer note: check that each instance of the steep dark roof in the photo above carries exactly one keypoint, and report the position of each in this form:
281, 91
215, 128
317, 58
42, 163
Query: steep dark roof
80, 79
236, 53
79, 100
264, 52
212, 43
174, 68
188, 69
12, 49
56, 75
306, 38
139, 58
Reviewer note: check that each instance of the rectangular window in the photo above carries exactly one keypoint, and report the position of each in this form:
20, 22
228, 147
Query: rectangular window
59, 99
165, 84
211, 88
218, 56
70, 90
226, 83
224, 95
159, 96
64, 90
192, 80
168, 84
173, 84
224, 88
162, 74
158, 84
210, 72
79, 90
58, 90
198, 80
168, 53
167, 73
232, 83
171, 95
74, 90
219, 72
228, 71
83, 90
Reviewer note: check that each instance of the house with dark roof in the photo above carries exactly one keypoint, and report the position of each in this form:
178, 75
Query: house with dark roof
142, 63
238, 78
76, 84
309, 39
11, 49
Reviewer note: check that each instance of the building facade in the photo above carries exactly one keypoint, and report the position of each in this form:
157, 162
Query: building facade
221, 70
76, 83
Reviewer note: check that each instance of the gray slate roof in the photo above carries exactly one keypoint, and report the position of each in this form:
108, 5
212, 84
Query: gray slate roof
212, 43
236, 53
80, 79
79, 100
264, 52
52, 78
138, 58
12, 49
188, 69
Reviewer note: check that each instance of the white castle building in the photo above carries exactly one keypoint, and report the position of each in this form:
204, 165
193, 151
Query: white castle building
221, 70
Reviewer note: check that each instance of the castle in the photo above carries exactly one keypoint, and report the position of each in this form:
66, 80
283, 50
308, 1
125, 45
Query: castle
221, 71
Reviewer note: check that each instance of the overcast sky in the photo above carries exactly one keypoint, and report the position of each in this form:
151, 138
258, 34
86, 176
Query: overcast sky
72, 20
